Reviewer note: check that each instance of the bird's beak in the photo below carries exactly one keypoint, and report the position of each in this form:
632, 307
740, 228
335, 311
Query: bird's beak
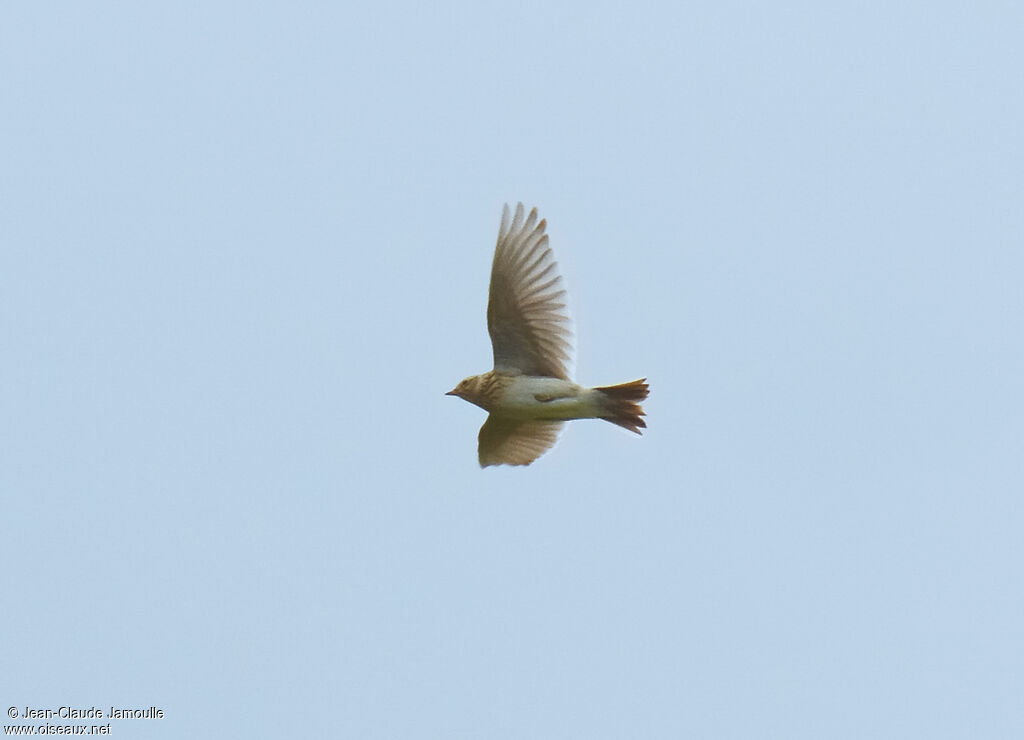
452, 392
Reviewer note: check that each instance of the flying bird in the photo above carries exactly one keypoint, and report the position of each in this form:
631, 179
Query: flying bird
529, 395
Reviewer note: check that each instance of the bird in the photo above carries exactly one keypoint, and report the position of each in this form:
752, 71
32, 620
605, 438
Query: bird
529, 394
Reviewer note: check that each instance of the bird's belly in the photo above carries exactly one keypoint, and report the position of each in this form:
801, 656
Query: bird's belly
551, 399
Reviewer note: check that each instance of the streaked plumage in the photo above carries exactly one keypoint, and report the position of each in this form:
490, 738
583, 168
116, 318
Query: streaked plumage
529, 394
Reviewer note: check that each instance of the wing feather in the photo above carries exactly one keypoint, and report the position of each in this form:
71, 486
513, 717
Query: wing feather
526, 313
506, 441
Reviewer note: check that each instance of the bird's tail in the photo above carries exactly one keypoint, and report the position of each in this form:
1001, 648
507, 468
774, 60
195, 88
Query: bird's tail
621, 404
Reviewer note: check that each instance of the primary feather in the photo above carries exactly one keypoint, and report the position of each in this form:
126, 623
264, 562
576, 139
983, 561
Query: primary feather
526, 313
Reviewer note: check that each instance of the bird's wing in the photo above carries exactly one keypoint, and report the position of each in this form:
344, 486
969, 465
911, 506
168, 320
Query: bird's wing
526, 313
509, 442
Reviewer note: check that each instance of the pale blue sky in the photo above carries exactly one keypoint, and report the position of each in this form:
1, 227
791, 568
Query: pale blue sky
245, 251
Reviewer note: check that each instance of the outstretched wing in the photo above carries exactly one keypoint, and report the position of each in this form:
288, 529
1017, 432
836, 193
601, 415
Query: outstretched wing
526, 313
509, 442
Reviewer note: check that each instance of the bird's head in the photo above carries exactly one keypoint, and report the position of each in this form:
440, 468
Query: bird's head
468, 389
